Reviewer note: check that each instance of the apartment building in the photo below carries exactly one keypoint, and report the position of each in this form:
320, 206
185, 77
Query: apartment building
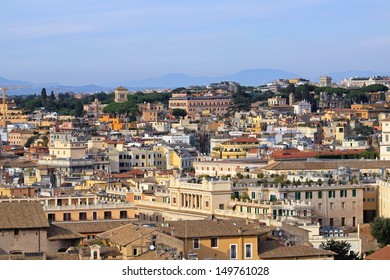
217, 105
234, 148
217, 239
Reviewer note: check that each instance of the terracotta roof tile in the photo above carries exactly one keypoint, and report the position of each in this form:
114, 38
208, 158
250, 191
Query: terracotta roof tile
381, 254
18, 215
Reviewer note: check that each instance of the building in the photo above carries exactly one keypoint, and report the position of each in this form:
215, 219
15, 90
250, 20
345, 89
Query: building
276, 101
217, 239
23, 227
150, 111
235, 148
120, 94
95, 109
325, 81
198, 105
302, 107
384, 150
134, 241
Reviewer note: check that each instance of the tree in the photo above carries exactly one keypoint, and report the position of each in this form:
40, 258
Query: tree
78, 110
43, 94
177, 112
380, 230
30, 141
342, 248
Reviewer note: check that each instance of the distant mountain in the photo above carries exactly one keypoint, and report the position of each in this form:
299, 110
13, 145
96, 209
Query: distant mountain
28, 88
5, 82
251, 77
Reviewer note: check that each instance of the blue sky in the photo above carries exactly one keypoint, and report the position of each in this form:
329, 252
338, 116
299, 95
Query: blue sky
102, 41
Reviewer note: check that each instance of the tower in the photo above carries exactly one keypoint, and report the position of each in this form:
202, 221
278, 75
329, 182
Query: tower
121, 94
291, 99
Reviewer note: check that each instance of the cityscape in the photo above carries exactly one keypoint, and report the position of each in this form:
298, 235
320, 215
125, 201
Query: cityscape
198, 131
218, 171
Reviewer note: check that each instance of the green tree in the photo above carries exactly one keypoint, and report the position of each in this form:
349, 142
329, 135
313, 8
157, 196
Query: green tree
78, 110
342, 248
43, 94
177, 112
380, 230
30, 141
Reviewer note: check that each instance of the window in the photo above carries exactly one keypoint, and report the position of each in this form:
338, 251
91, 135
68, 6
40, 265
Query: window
107, 215
343, 221
195, 243
331, 205
248, 250
214, 242
253, 195
66, 216
331, 222
308, 195
248, 209
353, 204
123, 214
343, 193
342, 205
319, 206
16, 232
94, 215
331, 194
297, 195
353, 221
354, 193
52, 217
233, 251
320, 194
135, 252
82, 216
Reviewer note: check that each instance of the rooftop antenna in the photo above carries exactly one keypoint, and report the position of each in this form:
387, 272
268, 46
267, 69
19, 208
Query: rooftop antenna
127, 130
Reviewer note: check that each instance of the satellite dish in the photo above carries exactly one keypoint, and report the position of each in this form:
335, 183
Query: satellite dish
151, 247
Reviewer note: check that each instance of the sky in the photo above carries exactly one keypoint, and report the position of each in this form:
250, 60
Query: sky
99, 42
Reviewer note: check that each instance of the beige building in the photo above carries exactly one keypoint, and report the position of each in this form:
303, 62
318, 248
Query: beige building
220, 168
217, 239
385, 143
120, 94
95, 108
68, 149
135, 241
276, 101
383, 199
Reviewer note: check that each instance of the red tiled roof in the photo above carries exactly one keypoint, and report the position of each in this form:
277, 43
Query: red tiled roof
381, 254
243, 140
292, 153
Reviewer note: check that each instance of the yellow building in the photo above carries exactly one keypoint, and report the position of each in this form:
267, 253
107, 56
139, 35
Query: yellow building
68, 149
384, 199
218, 239
114, 123
234, 148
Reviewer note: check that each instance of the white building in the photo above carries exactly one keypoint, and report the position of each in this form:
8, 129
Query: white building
385, 143
302, 107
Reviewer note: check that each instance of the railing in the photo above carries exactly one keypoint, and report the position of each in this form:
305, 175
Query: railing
88, 206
